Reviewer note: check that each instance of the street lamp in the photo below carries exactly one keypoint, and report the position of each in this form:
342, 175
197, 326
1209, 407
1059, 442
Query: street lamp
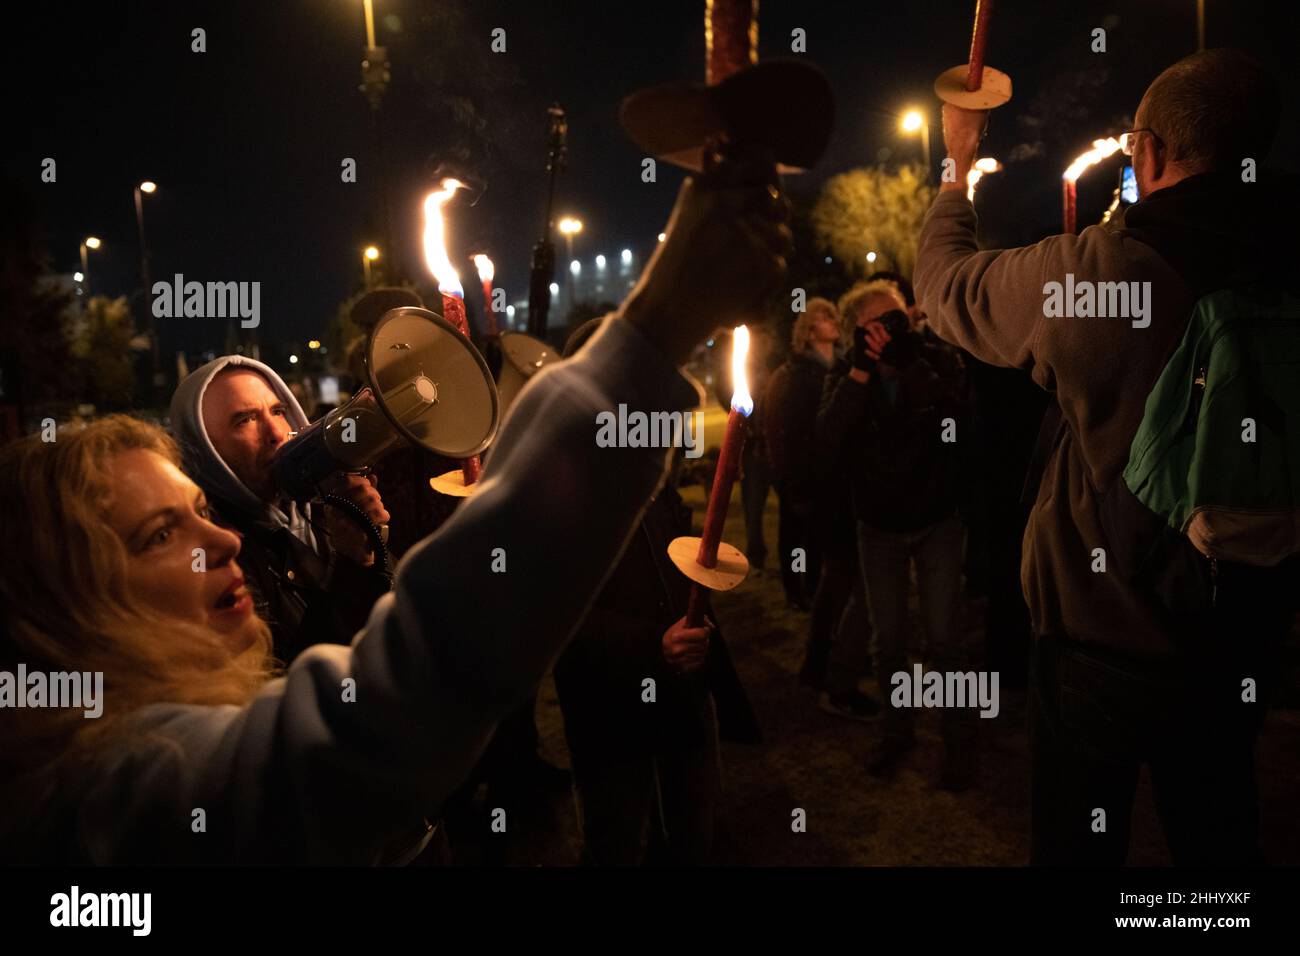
570, 227
368, 255
148, 187
911, 122
90, 242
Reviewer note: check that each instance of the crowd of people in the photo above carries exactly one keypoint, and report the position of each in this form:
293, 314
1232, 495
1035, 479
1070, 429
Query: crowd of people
267, 674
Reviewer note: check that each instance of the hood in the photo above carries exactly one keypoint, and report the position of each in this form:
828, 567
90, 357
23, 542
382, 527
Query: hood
202, 462
1212, 226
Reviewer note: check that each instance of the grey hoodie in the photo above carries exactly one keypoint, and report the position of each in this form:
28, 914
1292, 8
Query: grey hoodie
209, 470
308, 773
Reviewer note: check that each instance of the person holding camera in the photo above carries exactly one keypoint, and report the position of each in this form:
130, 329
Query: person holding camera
894, 417
310, 569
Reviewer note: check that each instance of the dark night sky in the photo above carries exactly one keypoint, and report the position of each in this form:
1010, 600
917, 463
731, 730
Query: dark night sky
246, 139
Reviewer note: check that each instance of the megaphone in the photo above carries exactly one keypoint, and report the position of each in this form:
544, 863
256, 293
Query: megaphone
522, 357
426, 385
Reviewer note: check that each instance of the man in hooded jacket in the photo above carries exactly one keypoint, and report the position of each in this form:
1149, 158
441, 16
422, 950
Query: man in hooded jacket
312, 573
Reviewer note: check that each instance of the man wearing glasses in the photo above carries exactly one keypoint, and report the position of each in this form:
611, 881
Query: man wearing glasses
1116, 680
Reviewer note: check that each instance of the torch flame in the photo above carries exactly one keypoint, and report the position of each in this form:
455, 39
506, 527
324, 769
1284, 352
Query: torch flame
435, 238
1101, 148
985, 164
741, 400
486, 270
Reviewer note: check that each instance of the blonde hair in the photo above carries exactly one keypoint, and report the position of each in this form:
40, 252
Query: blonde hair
804, 324
67, 605
851, 301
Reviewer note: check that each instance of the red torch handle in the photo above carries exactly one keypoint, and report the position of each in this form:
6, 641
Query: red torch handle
979, 37
695, 607
453, 310
1068, 207
730, 37
720, 496
487, 307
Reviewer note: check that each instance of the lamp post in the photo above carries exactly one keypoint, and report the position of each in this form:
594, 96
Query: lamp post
570, 227
912, 121
148, 187
368, 255
375, 77
91, 243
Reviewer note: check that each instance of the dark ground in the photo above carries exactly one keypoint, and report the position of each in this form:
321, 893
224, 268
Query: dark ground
813, 760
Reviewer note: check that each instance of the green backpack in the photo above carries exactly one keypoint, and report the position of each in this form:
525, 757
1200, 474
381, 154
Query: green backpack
1217, 456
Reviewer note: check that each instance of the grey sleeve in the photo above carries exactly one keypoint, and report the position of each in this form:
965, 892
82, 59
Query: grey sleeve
345, 754
989, 303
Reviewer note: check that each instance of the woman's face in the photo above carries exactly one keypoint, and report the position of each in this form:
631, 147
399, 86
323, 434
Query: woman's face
178, 561
825, 328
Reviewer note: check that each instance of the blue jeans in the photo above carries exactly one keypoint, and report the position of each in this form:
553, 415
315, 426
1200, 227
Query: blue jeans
887, 558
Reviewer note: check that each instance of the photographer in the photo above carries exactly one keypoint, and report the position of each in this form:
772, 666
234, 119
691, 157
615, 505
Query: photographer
309, 567
886, 417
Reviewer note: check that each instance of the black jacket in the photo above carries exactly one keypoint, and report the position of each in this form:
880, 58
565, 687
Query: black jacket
903, 476
794, 394
599, 677
306, 598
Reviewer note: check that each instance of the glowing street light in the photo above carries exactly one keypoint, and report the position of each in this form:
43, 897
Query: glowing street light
871, 257
570, 227
627, 257
368, 255
913, 121
313, 344
147, 188
90, 242
600, 262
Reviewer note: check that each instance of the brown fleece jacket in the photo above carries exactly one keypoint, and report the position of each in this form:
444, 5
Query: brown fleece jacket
1181, 240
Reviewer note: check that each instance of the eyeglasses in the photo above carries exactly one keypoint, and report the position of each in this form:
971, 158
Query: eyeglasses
1128, 141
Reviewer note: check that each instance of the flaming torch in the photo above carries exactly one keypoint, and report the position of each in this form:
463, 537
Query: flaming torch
708, 561
983, 166
459, 484
1101, 149
486, 272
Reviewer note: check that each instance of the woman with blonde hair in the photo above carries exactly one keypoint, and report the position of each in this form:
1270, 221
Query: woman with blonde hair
110, 566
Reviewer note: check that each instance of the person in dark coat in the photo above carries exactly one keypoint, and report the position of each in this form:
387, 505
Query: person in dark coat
311, 570
789, 424
643, 698
895, 416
